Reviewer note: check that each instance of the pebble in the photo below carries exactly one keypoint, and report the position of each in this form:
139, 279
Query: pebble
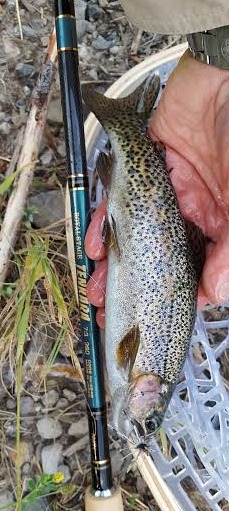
50, 458
4, 128
49, 208
26, 469
117, 462
9, 47
26, 406
10, 5
83, 26
94, 11
69, 394
6, 498
61, 149
11, 404
78, 428
46, 157
26, 90
22, 456
101, 44
54, 114
50, 398
49, 428
62, 403
28, 32
77, 446
114, 50
65, 471
5, 117
37, 505
22, 69
80, 8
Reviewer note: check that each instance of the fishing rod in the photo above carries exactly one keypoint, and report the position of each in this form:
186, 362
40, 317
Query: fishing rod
102, 494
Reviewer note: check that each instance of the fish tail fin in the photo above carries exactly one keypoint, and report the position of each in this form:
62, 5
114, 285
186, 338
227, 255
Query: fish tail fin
140, 101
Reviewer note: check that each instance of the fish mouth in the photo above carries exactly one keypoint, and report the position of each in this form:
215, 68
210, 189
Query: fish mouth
141, 406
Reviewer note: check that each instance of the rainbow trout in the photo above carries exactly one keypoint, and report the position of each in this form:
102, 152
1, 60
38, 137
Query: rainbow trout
153, 268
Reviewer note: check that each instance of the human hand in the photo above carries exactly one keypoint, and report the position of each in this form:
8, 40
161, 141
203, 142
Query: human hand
192, 121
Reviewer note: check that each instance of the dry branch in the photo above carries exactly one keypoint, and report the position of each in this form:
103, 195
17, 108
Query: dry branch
28, 157
159, 489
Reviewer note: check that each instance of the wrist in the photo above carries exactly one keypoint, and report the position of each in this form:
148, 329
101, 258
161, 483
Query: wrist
211, 46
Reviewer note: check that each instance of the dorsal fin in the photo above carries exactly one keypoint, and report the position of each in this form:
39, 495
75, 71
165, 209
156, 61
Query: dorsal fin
139, 102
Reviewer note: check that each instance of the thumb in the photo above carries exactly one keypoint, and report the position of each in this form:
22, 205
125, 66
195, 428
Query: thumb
215, 278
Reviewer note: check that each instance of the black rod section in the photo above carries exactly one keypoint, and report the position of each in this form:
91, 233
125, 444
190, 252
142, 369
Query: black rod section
80, 208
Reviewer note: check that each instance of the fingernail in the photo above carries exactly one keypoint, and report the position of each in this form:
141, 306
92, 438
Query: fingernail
223, 291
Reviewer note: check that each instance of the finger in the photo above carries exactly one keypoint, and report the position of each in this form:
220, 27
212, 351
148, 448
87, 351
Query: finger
100, 318
195, 200
94, 245
215, 278
96, 286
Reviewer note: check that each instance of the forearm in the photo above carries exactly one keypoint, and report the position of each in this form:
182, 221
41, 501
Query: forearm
177, 16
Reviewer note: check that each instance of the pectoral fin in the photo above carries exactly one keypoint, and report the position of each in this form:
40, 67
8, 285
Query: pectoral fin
127, 349
109, 236
104, 167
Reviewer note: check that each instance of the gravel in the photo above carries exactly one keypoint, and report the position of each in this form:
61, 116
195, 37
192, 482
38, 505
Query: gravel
49, 428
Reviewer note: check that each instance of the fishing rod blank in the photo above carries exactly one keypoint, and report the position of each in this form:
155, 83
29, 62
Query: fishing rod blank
102, 493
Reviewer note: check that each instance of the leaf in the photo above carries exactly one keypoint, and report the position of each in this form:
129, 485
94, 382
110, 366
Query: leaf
31, 484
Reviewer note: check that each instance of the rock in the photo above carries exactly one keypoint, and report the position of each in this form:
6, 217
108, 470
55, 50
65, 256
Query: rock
4, 117
10, 49
103, 3
77, 446
27, 406
4, 128
28, 32
69, 394
54, 114
37, 505
94, 11
26, 469
66, 472
80, 8
49, 428
117, 462
25, 454
62, 403
6, 498
101, 44
22, 69
78, 428
50, 398
115, 50
93, 74
46, 157
11, 431
83, 26
61, 149
26, 90
50, 458
44, 40
10, 5
49, 208
11, 404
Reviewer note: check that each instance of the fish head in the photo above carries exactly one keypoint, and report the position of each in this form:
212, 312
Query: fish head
141, 406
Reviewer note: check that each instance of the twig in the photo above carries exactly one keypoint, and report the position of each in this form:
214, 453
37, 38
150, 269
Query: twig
135, 43
158, 487
29, 152
17, 150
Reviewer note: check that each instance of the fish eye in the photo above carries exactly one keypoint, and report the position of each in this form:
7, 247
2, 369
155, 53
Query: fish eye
153, 422
151, 425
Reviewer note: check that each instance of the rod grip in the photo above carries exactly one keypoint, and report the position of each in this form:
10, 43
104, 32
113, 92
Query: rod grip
112, 503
